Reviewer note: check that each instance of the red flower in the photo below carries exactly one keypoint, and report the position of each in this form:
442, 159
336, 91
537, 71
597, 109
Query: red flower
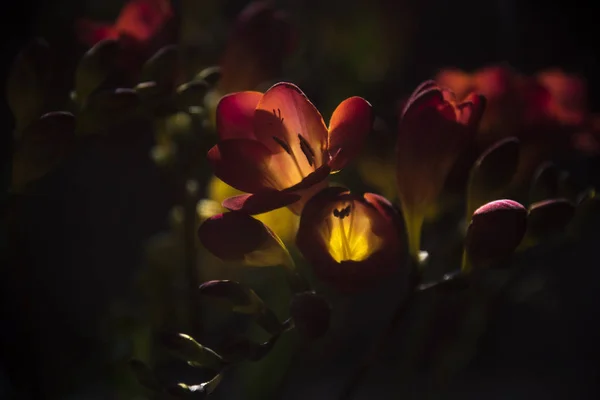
140, 21
433, 131
351, 241
276, 147
567, 96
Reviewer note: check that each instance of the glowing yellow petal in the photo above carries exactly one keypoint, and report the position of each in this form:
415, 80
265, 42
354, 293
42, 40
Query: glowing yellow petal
351, 238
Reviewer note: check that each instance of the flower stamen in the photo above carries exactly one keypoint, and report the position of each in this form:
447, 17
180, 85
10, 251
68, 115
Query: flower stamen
307, 150
286, 147
340, 215
277, 113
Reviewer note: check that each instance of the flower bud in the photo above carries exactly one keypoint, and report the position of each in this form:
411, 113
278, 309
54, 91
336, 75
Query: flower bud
311, 314
41, 147
210, 75
434, 130
95, 68
243, 300
544, 184
184, 347
495, 231
163, 67
492, 173
549, 217
236, 236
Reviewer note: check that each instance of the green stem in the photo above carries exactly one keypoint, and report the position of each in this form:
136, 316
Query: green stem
191, 254
413, 222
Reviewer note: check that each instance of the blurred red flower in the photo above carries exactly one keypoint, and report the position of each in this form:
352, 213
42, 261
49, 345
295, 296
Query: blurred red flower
141, 25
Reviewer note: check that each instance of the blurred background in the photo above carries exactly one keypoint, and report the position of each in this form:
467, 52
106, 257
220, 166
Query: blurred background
101, 222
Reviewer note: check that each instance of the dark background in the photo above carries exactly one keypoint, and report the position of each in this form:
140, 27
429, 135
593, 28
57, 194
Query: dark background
80, 242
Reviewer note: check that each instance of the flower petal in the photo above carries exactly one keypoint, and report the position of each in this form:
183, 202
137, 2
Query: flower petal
230, 236
236, 236
421, 100
243, 164
350, 124
235, 113
260, 202
282, 116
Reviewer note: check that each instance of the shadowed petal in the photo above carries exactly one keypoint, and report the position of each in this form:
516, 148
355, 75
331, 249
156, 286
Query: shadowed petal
242, 163
235, 113
260, 202
236, 236
350, 124
426, 95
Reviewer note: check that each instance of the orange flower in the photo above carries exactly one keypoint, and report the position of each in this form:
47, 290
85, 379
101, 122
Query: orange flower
433, 131
140, 21
351, 241
275, 146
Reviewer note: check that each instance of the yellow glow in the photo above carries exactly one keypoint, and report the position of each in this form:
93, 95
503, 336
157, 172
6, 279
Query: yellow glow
350, 238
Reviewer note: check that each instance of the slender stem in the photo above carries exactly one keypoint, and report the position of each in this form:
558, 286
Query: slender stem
378, 346
413, 222
191, 253
466, 263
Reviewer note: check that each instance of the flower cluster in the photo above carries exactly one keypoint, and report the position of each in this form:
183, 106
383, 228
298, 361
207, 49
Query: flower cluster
477, 152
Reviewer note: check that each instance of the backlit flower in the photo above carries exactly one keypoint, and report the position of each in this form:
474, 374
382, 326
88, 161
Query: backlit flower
351, 241
433, 131
276, 147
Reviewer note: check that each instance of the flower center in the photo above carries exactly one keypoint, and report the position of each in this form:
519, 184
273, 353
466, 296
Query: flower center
288, 145
350, 233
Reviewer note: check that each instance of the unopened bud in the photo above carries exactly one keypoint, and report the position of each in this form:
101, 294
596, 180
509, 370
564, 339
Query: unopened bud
495, 231
311, 314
